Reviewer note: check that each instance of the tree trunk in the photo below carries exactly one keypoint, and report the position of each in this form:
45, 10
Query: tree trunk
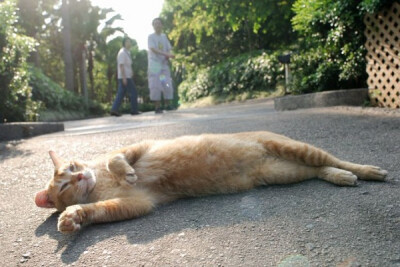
83, 75
68, 64
90, 70
110, 76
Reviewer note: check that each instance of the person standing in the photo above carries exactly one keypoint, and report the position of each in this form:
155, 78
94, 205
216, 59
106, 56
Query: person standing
125, 79
159, 74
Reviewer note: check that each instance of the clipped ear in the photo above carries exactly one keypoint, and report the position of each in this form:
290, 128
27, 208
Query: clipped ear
42, 200
56, 160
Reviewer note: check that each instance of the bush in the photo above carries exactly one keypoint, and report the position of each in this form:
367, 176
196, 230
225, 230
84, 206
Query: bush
248, 72
53, 97
15, 100
312, 73
331, 51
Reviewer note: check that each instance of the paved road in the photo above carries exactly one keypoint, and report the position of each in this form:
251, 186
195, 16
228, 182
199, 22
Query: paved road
307, 224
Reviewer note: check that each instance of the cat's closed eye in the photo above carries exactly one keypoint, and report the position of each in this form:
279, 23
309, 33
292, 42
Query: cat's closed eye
63, 187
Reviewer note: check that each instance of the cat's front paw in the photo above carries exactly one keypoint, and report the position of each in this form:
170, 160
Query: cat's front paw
131, 177
71, 219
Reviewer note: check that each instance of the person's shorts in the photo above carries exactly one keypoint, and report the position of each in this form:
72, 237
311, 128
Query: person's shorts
161, 83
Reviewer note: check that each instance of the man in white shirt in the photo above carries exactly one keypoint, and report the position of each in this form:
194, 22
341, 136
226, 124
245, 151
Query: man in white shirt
125, 80
158, 67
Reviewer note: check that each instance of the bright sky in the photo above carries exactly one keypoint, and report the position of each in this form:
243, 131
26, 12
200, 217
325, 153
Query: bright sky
137, 15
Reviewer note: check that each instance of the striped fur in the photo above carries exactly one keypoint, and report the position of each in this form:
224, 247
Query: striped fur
131, 181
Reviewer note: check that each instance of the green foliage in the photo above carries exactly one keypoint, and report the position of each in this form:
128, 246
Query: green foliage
215, 43
85, 20
327, 41
372, 6
313, 74
105, 70
15, 100
205, 32
209, 35
245, 73
40, 20
100, 93
91, 27
331, 52
139, 67
54, 97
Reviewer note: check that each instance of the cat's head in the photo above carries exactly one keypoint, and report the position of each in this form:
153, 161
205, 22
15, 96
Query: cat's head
72, 183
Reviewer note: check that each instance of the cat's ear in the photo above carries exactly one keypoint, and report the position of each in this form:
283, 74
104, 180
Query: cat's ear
57, 161
42, 200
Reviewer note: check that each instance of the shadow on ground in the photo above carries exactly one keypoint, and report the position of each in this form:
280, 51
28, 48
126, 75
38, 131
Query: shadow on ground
272, 206
194, 213
11, 150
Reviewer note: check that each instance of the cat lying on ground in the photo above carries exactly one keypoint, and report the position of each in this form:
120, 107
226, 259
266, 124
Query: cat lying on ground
128, 183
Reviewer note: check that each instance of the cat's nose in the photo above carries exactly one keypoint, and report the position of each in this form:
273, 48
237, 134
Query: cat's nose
80, 177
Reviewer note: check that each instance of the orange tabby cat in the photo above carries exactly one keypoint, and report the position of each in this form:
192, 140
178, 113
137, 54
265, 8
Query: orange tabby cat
128, 183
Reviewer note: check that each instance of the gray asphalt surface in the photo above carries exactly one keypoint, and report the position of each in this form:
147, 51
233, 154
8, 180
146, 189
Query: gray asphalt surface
313, 223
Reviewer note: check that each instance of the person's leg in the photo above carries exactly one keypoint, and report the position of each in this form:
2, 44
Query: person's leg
155, 91
157, 107
167, 104
119, 98
168, 90
133, 96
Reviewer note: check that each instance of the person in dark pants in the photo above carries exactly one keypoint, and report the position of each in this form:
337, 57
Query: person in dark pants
125, 80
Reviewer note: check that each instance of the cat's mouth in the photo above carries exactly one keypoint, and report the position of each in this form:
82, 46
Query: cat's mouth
88, 181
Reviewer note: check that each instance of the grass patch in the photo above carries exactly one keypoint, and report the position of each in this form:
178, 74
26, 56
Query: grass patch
229, 98
56, 115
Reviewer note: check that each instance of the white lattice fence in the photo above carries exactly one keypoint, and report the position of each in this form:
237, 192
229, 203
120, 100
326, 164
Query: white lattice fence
383, 62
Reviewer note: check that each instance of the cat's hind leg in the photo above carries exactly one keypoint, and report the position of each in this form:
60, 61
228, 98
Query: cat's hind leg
337, 176
364, 172
286, 172
278, 171
311, 156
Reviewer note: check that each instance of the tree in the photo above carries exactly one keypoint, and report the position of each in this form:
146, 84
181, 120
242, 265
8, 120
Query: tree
87, 56
104, 53
107, 55
32, 15
68, 61
15, 100
42, 19
205, 32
